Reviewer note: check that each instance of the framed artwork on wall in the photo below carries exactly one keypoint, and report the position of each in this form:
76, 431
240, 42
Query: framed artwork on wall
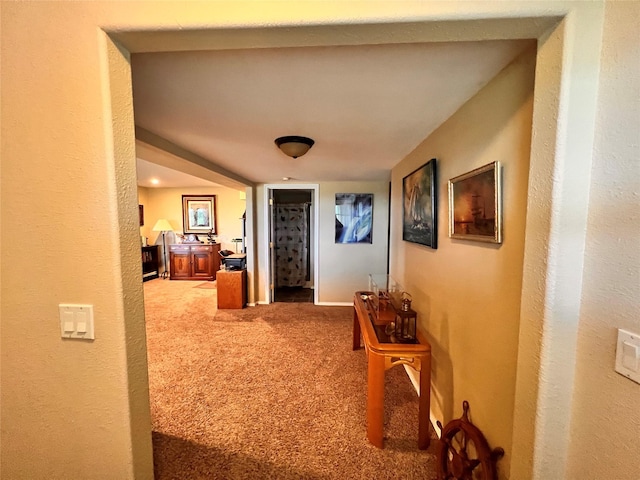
419, 206
141, 214
199, 214
354, 217
475, 205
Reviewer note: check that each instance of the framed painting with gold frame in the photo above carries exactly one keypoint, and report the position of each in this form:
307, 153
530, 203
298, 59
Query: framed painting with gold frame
475, 205
199, 214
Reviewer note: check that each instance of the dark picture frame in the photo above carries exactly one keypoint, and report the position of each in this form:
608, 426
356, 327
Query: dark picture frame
199, 214
420, 206
475, 205
354, 218
141, 214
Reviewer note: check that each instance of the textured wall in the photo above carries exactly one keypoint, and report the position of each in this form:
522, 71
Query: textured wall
78, 410
467, 294
606, 406
70, 409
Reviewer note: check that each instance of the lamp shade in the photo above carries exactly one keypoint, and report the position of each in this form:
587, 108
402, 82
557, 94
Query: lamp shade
162, 225
293, 145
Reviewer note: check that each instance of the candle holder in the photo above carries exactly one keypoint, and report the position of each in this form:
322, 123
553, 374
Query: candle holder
405, 301
405, 326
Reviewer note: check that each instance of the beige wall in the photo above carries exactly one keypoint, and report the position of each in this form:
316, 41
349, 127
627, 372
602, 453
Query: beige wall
467, 294
167, 203
605, 424
143, 199
342, 269
70, 409
80, 410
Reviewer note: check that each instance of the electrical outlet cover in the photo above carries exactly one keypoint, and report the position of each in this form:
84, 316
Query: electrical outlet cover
76, 321
628, 355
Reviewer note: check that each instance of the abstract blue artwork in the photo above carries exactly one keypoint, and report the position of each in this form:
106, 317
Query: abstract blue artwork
354, 217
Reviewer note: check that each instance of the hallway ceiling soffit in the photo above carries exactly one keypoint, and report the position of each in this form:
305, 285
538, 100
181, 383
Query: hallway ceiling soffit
367, 106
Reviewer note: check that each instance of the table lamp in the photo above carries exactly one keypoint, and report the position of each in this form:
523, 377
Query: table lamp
163, 226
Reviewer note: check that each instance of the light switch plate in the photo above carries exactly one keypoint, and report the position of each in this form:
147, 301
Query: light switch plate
628, 355
76, 321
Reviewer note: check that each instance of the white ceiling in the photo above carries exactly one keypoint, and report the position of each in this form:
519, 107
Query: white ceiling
166, 177
366, 106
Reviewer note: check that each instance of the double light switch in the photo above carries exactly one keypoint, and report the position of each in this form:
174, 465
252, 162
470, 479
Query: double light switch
76, 321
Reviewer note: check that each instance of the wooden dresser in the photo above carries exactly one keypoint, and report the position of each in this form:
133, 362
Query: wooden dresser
194, 261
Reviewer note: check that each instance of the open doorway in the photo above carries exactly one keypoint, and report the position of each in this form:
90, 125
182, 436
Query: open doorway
292, 254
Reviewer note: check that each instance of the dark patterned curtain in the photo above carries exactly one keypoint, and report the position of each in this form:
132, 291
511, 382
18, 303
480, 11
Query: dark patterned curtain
291, 245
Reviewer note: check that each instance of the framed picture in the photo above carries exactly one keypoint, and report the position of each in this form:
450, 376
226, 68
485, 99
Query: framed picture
141, 214
354, 217
199, 214
475, 199
419, 206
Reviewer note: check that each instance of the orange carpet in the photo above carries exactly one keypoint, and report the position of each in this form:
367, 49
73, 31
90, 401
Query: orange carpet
268, 392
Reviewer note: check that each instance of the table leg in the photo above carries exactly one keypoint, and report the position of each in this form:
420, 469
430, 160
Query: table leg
423, 403
356, 330
375, 399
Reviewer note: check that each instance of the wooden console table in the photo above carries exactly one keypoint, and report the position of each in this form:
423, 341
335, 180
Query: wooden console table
382, 354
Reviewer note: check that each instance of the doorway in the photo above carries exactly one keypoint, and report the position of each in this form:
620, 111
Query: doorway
292, 249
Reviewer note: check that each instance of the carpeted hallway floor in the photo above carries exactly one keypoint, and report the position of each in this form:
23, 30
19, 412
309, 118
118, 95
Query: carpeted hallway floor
268, 392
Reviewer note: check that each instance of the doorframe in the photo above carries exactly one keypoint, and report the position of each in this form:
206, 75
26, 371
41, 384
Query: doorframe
315, 208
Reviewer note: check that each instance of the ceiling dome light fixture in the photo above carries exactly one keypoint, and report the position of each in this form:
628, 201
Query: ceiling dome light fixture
293, 145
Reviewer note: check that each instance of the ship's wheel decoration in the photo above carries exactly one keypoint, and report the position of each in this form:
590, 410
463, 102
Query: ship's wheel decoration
463, 452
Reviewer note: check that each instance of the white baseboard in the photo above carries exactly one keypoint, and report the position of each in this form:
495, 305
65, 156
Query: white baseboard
415, 381
324, 304
335, 304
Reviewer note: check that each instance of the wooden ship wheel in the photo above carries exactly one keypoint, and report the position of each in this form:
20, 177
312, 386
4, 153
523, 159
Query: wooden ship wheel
463, 452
